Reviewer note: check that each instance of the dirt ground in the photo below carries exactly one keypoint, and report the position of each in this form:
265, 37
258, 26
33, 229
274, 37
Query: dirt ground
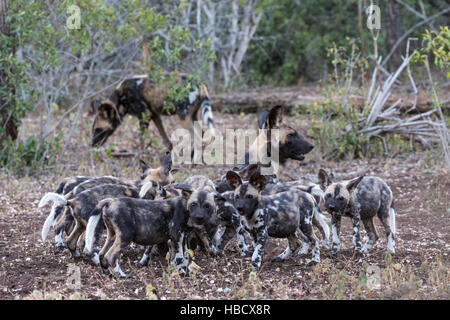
30, 269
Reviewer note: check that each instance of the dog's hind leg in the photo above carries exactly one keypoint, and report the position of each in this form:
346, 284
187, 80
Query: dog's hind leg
72, 240
121, 241
292, 246
371, 233
307, 229
110, 237
81, 242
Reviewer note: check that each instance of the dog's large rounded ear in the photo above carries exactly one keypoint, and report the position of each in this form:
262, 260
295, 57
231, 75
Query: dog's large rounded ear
144, 166
95, 105
274, 117
258, 181
324, 179
106, 110
233, 179
251, 170
262, 117
186, 190
353, 183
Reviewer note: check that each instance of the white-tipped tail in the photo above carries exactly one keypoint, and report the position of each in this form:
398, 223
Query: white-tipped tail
207, 115
392, 218
48, 222
145, 188
323, 224
90, 232
51, 196
58, 200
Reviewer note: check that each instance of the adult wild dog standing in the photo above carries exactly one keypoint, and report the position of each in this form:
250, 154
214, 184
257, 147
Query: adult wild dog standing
140, 97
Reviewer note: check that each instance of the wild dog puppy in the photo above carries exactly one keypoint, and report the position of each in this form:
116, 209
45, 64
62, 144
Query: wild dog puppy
144, 222
140, 97
275, 186
150, 180
314, 190
81, 206
359, 198
281, 216
65, 186
202, 204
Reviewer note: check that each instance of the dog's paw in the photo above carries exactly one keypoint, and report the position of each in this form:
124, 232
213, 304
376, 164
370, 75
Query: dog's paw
276, 260
312, 263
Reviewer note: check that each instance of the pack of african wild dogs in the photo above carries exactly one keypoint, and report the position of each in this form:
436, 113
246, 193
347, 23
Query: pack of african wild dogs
164, 218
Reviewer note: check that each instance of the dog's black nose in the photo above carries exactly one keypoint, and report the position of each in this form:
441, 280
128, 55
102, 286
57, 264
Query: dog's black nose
311, 147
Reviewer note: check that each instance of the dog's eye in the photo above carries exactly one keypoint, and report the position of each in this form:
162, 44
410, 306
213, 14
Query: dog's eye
237, 196
291, 135
206, 206
249, 196
193, 204
340, 198
328, 195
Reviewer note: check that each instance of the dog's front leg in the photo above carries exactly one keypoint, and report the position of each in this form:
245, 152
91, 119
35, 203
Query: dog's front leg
260, 236
335, 229
158, 123
142, 126
244, 247
210, 247
180, 260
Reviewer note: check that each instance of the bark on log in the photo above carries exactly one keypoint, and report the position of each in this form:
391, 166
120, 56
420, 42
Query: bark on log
255, 100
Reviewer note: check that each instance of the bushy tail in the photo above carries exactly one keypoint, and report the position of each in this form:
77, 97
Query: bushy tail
392, 218
58, 201
91, 226
207, 114
320, 218
145, 188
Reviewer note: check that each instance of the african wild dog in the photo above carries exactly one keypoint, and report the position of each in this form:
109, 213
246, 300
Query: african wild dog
65, 186
151, 178
144, 222
318, 219
202, 206
359, 198
274, 187
291, 144
281, 215
140, 97
220, 226
81, 206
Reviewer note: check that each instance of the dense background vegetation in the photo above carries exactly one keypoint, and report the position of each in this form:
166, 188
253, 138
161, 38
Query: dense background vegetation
52, 71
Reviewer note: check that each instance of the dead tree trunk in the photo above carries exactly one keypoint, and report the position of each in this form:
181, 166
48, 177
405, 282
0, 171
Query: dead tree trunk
7, 120
393, 33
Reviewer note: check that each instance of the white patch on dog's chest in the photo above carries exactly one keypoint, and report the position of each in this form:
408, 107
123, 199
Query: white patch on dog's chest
256, 221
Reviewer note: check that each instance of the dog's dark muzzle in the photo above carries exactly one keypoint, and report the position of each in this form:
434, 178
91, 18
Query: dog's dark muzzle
99, 137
